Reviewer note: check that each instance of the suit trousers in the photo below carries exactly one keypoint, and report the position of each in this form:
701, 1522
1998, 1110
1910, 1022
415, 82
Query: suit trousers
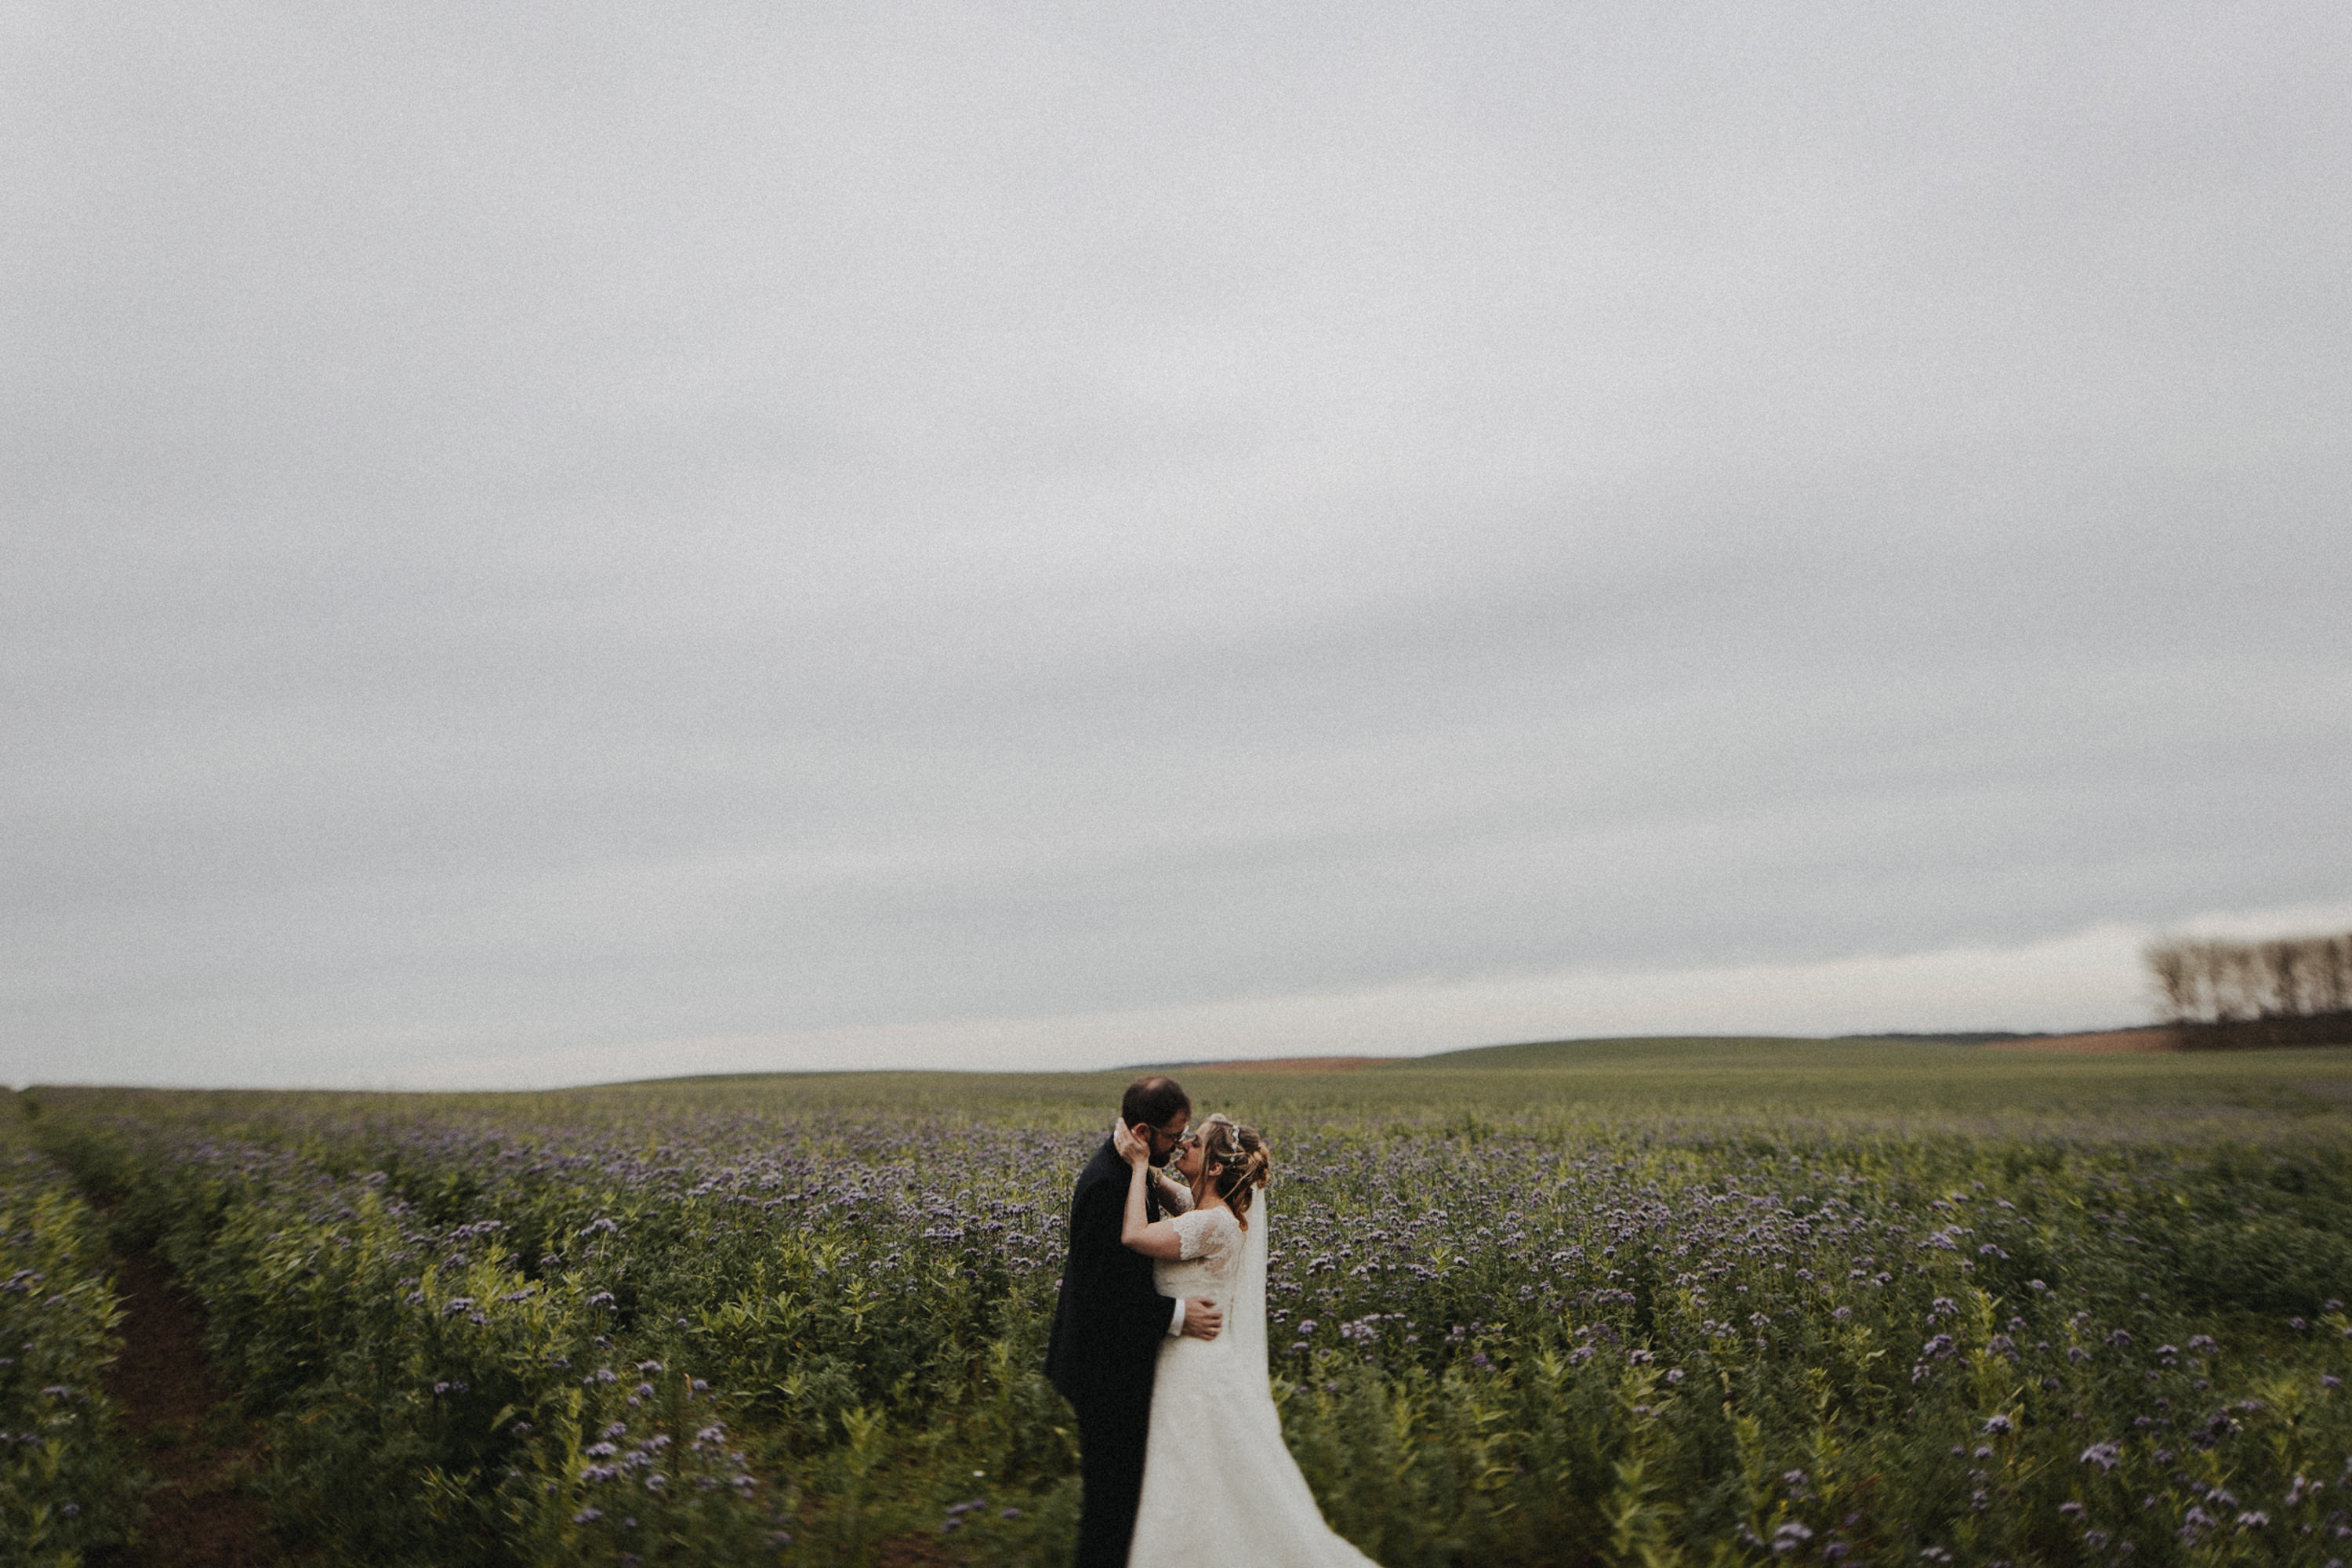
1112, 1435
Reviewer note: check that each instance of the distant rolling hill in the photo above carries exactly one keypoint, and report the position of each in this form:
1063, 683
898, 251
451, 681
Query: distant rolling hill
1664, 1050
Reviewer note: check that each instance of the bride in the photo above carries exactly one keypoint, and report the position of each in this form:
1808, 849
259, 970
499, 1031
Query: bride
1218, 1484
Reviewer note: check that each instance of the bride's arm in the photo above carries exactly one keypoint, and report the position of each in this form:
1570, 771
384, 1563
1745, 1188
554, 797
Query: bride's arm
1137, 1231
1173, 1195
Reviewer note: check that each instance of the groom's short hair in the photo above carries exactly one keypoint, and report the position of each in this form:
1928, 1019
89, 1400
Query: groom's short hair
1153, 1100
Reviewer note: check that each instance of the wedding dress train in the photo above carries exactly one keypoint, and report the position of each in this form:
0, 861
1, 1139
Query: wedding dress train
1219, 1487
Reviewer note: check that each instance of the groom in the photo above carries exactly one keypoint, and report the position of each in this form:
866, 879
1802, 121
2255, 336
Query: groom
1109, 1321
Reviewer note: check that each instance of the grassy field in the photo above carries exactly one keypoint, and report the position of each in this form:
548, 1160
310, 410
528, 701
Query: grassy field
1904, 1085
1901, 1084
1632, 1302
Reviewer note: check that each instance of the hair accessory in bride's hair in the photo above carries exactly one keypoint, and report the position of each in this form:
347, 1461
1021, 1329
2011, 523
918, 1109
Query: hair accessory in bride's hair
1220, 1136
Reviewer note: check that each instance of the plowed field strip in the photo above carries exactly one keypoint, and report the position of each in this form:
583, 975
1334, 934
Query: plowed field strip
200, 1514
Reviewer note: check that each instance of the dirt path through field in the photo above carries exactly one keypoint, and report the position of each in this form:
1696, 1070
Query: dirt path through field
2105, 1043
199, 1513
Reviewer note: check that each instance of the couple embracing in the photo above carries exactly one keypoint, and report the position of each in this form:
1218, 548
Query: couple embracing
1159, 1346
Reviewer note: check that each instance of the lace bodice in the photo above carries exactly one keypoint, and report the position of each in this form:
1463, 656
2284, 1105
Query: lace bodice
1212, 1242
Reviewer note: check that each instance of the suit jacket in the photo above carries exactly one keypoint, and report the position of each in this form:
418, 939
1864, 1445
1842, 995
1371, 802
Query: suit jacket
1109, 1320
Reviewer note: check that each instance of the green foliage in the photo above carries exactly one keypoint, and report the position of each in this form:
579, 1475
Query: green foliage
433, 1401
67, 1483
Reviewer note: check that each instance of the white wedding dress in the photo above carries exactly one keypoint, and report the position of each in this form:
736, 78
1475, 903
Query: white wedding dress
1219, 1487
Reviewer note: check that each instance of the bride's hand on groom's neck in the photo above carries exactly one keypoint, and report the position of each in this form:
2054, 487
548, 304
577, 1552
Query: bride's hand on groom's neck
1129, 1147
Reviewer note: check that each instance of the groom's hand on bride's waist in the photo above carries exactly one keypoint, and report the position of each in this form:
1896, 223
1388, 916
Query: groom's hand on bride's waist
1202, 1320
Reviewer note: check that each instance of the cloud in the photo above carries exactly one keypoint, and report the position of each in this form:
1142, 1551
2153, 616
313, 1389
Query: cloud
534, 532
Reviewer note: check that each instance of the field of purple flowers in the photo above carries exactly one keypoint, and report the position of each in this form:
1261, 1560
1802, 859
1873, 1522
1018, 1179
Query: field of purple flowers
800, 1321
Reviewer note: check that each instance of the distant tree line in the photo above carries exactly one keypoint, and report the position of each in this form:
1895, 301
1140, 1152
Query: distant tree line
2218, 982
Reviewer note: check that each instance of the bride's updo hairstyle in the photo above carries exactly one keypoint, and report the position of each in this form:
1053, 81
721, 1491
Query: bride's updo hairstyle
1233, 1159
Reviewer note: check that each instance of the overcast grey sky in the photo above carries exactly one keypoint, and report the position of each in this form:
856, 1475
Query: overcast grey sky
552, 541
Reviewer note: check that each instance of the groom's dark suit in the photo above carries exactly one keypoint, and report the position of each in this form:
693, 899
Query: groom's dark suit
1107, 1329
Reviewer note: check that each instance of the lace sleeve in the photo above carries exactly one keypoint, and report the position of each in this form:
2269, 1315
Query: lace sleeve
1195, 1232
